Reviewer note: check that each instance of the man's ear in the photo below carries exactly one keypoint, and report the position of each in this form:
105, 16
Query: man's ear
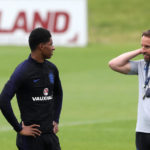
41, 46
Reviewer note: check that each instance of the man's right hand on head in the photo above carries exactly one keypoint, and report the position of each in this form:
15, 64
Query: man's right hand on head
30, 130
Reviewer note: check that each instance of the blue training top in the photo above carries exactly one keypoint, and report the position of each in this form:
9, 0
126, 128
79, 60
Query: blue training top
39, 95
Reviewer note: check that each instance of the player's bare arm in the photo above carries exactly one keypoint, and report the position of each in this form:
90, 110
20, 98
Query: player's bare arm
121, 63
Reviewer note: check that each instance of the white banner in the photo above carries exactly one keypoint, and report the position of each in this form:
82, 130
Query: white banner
66, 19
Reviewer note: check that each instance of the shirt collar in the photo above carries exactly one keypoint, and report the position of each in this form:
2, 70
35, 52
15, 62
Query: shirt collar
34, 61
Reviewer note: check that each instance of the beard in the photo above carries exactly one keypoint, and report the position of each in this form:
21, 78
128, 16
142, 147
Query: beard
147, 58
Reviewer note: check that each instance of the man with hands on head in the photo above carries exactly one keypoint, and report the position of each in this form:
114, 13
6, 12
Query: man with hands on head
123, 64
39, 95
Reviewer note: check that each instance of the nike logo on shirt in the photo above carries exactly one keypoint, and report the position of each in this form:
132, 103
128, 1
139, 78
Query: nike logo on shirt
36, 80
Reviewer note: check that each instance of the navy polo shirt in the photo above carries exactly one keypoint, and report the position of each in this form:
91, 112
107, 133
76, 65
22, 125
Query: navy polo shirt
39, 95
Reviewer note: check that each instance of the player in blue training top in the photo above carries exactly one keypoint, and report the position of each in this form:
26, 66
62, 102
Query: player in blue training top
38, 90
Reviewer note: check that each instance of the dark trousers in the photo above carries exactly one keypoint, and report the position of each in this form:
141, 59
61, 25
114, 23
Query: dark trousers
142, 141
44, 142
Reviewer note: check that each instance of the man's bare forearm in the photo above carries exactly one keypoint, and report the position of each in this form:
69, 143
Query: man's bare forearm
121, 63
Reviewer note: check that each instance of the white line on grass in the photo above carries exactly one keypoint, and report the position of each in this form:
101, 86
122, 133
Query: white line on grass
66, 124
5, 128
77, 123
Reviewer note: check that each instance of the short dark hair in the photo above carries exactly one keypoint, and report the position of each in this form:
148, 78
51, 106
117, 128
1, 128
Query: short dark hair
37, 36
146, 33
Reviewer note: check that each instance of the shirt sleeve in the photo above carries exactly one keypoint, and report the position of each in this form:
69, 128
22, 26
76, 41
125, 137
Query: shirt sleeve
133, 68
6, 96
58, 97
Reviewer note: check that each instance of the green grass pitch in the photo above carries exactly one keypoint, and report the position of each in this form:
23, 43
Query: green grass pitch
99, 108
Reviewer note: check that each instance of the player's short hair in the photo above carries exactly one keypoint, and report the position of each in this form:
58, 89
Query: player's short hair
146, 33
37, 36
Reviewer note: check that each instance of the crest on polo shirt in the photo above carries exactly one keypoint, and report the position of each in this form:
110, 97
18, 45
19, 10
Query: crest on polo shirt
51, 78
